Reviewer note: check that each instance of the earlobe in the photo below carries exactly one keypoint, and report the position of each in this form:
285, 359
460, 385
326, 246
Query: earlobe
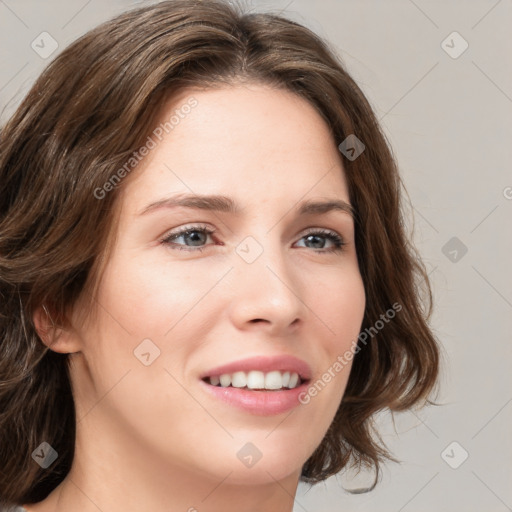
55, 337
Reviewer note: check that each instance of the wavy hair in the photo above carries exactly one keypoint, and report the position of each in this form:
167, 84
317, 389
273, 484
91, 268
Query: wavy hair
90, 109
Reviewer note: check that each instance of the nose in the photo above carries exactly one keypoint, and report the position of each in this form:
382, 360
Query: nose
267, 294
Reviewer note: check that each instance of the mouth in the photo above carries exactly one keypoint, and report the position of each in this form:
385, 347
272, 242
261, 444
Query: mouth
262, 385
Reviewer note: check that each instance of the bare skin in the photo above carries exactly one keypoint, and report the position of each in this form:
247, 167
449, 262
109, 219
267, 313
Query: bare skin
150, 437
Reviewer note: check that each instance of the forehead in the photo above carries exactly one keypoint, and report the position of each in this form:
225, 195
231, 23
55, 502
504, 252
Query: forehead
250, 118
248, 141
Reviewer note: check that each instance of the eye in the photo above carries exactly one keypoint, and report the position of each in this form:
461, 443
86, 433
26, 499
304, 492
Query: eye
198, 235
317, 234
189, 233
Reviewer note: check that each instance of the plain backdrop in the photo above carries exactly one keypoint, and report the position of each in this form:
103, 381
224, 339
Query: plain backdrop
438, 75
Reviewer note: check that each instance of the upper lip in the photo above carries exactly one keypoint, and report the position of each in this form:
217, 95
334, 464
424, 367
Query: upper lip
263, 364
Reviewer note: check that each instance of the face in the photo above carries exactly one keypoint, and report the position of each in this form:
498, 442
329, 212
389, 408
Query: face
265, 281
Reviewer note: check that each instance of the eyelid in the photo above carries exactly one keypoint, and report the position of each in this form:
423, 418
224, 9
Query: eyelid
187, 227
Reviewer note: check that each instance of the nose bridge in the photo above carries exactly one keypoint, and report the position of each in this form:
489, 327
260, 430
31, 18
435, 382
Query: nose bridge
266, 287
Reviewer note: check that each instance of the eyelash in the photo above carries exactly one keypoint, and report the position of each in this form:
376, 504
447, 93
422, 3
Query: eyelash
338, 241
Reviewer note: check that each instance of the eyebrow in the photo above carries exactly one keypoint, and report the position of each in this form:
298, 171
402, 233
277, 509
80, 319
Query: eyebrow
220, 203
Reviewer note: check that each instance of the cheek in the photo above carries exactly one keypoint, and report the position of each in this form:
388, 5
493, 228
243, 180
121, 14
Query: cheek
340, 306
341, 309
149, 298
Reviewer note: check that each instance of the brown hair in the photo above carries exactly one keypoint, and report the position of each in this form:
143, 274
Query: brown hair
92, 107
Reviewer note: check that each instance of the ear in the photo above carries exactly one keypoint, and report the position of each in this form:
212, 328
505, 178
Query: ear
57, 338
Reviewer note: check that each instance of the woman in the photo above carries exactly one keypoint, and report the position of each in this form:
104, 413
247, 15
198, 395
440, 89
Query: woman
207, 288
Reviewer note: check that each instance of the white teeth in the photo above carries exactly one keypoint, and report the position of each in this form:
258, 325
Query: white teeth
294, 378
257, 380
225, 380
239, 380
273, 380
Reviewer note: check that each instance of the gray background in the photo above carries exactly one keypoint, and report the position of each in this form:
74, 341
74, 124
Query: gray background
448, 121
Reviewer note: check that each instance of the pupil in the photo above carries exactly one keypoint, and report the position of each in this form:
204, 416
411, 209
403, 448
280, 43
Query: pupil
194, 234
312, 237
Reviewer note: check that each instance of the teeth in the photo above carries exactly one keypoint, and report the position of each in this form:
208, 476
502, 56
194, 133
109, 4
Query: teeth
239, 380
294, 378
257, 380
225, 380
273, 380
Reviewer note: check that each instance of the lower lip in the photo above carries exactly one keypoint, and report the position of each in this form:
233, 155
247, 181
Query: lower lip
263, 403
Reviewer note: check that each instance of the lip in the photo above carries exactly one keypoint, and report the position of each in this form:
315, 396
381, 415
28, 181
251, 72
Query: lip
264, 364
262, 403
